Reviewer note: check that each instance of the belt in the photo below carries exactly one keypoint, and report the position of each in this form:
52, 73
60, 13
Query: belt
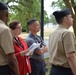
60, 67
4, 66
39, 60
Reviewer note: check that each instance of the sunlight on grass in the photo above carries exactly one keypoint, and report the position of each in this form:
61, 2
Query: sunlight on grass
47, 32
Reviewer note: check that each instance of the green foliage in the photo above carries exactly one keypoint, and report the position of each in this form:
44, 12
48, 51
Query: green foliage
52, 20
59, 4
23, 10
71, 4
46, 18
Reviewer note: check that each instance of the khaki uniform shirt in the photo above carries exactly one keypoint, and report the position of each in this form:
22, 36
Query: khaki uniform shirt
6, 43
61, 42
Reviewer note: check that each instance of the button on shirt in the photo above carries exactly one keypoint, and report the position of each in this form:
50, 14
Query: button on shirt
35, 39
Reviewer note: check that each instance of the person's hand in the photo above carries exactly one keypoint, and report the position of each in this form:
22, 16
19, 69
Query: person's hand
31, 53
23, 53
44, 49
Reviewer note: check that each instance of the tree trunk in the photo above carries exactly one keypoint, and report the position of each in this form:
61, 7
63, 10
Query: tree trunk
71, 5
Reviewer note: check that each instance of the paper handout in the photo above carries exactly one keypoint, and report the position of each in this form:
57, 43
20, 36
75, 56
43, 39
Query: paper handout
32, 48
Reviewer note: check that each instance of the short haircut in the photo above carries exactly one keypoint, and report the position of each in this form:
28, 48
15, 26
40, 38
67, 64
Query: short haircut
59, 21
31, 21
13, 24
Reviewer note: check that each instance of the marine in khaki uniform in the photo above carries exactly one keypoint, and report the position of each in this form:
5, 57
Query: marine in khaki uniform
62, 45
8, 62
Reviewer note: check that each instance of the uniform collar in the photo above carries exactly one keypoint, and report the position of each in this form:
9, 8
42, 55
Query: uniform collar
62, 26
2, 22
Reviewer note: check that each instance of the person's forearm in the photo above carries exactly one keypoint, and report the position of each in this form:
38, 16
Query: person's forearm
13, 64
72, 63
23, 53
42, 50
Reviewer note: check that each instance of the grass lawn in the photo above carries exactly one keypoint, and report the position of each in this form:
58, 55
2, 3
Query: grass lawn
48, 72
48, 66
47, 32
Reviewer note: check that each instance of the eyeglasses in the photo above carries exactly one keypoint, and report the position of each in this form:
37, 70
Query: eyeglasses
19, 27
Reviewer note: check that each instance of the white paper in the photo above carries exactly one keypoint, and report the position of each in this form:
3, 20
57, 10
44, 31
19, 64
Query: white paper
33, 47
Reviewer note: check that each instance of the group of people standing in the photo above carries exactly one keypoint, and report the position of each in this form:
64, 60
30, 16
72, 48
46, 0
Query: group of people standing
13, 49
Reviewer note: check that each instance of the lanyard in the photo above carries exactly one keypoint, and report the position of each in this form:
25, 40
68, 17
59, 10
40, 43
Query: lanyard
19, 42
